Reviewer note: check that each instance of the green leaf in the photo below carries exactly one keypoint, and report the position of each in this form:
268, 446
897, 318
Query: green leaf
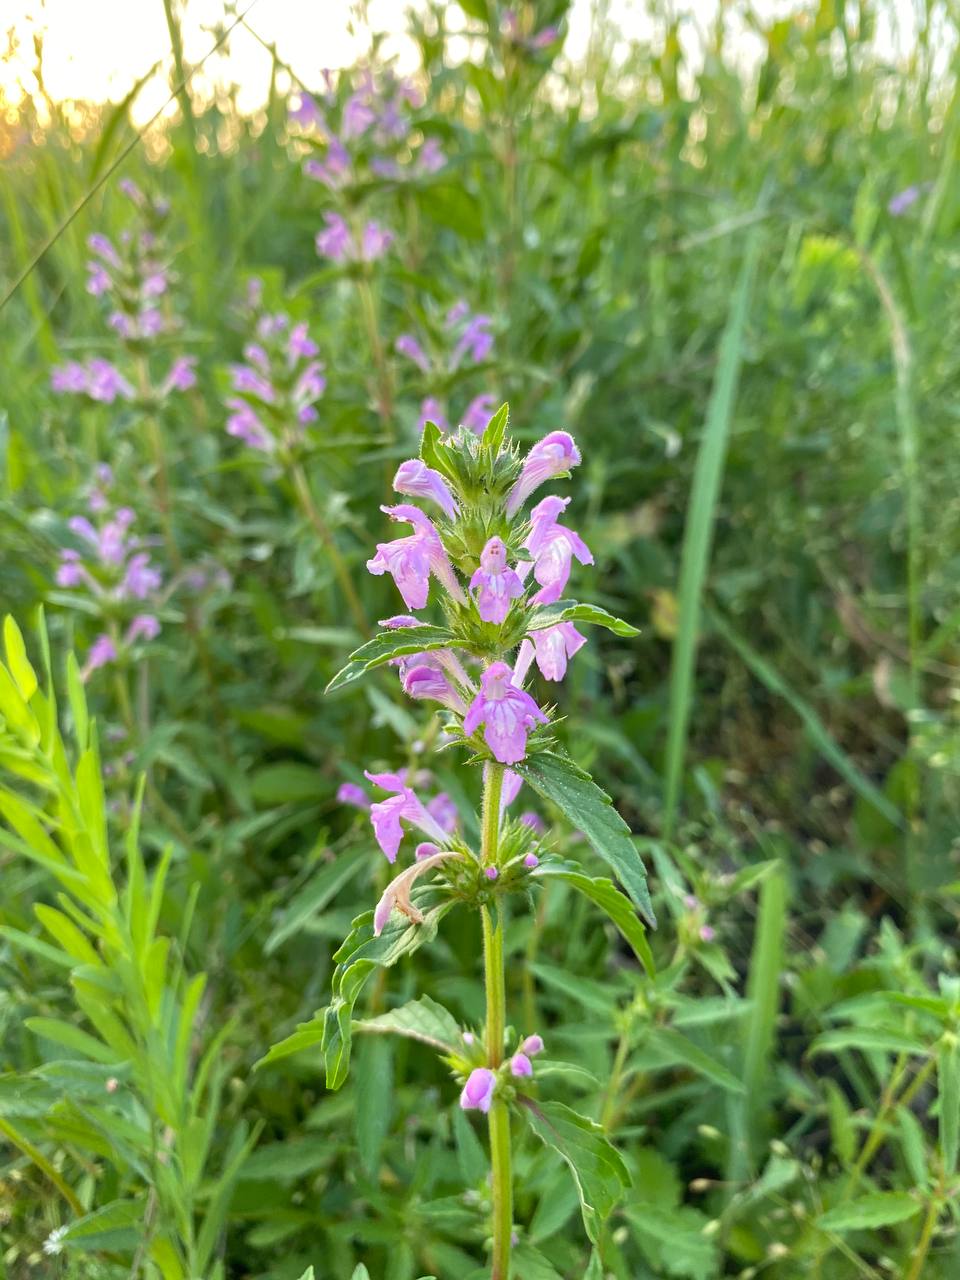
948, 1078
673, 1240
597, 1167
312, 898
567, 611
388, 645
868, 1038
286, 782
71, 1037
700, 520
421, 1019
591, 811
434, 453
373, 1086
842, 1133
496, 430
77, 698
880, 1209
608, 897
676, 1048
360, 1272
308, 1274
17, 660
101, 1228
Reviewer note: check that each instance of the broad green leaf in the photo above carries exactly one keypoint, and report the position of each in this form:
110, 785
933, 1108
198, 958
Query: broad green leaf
880, 1209
597, 1167
948, 1078
388, 645
434, 453
608, 897
570, 611
306, 1036
373, 1085
675, 1048
421, 1019
17, 660
111, 1225
673, 1240
591, 811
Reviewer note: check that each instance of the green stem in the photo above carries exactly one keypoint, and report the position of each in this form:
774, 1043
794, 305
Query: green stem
494, 980
923, 1244
309, 508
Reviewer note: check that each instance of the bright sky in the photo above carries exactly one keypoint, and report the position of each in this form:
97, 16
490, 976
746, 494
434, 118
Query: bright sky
96, 49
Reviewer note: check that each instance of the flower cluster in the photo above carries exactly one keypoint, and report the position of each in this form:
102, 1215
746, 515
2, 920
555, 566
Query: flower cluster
133, 277
274, 391
465, 339
511, 30
113, 567
481, 1084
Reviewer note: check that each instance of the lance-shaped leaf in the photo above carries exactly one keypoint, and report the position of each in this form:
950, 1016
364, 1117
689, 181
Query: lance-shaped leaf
597, 1167
609, 899
571, 611
948, 1078
591, 811
391, 644
880, 1209
423, 1020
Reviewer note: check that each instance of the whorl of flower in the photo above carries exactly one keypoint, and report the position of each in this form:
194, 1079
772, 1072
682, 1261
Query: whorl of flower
552, 647
415, 479
477, 1093
553, 547
496, 585
411, 560
506, 712
387, 816
337, 242
97, 379
555, 455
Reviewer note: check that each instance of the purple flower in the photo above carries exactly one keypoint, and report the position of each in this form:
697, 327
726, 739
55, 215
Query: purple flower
182, 375
408, 346
430, 682
543, 39
444, 812
425, 849
495, 584
358, 116
310, 385
520, 1065
98, 279
144, 627
507, 713
532, 1045
101, 652
411, 560
491, 873
476, 341
478, 413
903, 200
553, 547
388, 815
478, 1091
375, 242
415, 479
103, 248
68, 377
553, 647
531, 860
252, 383
554, 455
459, 311
70, 572
131, 191
140, 579
154, 283
334, 169
386, 168
350, 793
306, 112
300, 344
707, 933
512, 782
430, 158
431, 410
244, 424
334, 240
400, 620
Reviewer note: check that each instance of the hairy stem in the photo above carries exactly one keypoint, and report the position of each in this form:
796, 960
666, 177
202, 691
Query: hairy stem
926, 1237
499, 1117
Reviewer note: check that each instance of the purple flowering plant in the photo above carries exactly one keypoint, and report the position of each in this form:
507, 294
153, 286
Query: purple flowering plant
496, 562
463, 342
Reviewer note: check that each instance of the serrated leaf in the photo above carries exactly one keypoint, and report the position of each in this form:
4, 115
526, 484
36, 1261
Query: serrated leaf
433, 452
571, 611
496, 430
421, 1019
388, 645
867, 1038
597, 1167
609, 899
591, 811
881, 1209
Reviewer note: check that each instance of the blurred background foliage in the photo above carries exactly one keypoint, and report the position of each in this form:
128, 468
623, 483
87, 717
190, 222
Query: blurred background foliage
770, 490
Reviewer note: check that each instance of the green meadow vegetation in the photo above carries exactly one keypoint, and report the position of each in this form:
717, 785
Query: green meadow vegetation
722, 256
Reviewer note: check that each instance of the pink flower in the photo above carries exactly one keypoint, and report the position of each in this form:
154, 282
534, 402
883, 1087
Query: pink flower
491, 873
430, 158
553, 547
350, 793
552, 647
554, 455
507, 713
408, 346
101, 652
431, 410
334, 240
244, 425
520, 1065
182, 375
532, 1045
495, 584
375, 242
476, 341
411, 560
144, 627
531, 860
428, 681
478, 1091
415, 479
387, 816
299, 346
478, 412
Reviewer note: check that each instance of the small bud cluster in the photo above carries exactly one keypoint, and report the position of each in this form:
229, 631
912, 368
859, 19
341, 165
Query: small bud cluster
465, 338
134, 279
483, 1083
276, 388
